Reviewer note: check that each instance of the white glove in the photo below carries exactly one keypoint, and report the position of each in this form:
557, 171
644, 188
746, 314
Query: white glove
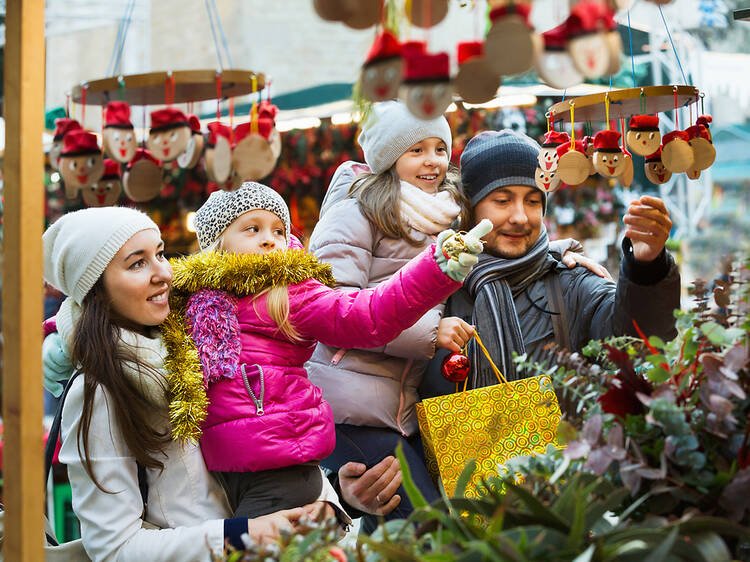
456, 253
56, 364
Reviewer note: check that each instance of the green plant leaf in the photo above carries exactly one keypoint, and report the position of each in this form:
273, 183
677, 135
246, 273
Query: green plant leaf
415, 496
711, 546
716, 333
586, 555
538, 510
464, 478
656, 342
660, 553
575, 536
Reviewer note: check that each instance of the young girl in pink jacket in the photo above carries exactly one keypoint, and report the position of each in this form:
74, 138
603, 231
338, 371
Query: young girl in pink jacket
247, 313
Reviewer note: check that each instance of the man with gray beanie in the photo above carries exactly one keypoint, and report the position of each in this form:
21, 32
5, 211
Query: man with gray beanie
520, 298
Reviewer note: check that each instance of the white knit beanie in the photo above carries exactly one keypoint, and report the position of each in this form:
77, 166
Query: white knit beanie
79, 246
392, 129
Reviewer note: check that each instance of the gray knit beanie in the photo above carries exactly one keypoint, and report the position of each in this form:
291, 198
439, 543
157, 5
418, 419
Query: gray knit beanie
78, 247
495, 159
392, 129
223, 207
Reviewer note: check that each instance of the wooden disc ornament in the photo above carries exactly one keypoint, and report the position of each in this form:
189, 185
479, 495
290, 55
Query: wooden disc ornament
511, 45
333, 10
626, 175
218, 153
476, 81
608, 156
655, 170
643, 136
63, 125
142, 180
547, 181
118, 133
547, 158
252, 157
588, 44
194, 150
704, 153
274, 139
426, 13
426, 88
169, 134
81, 162
676, 153
572, 166
614, 46
362, 13
381, 72
107, 190
553, 63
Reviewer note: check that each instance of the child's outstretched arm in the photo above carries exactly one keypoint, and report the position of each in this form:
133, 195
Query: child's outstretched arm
457, 253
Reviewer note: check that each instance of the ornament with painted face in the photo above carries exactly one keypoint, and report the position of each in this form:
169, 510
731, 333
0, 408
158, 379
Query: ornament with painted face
608, 156
63, 125
169, 134
194, 150
588, 43
553, 63
547, 158
426, 88
81, 162
547, 181
383, 68
118, 133
655, 170
643, 136
107, 190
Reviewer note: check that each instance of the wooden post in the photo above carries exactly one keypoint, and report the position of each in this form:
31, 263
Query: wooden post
23, 486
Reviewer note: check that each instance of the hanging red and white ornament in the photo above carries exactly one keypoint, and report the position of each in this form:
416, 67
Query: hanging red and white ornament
218, 153
676, 153
548, 157
655, 170
142, 180
426, 88
476, 81
554, 63
81, 162
511, 45
609, 159
192, 154
169, 134
643, 135
382, 71
588, 44
546, 180
106, 191
572, 167
63, 126
704, 153
118, 133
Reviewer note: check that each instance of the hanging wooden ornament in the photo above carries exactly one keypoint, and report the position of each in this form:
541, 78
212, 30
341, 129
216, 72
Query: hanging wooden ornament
118, 133
676, 153
218, 153
169, 134
274, 140
587, 44
252, 156
553, 63
81, 162
476, 81
547, 157
142, 180
382, 71
362, 13
511, 45
572, 167
608, 157
106, 191
614, 39
626, 175
194, 150
643, 136
426, 13
426, 88
547, 181
704, 153
588, 147
333, 10
655, 170
63, 125
705, 120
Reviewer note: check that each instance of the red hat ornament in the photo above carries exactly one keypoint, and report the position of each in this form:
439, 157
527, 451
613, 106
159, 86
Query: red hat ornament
426, 13
381, 72
553, 63
190, 157
588, 43
705, 120
63, 125
169, 134
643, 136
609, 159
426, 88
81, 162
218, 154
655, 170
572, 167
267, 126
704, 153
676, 153
512, 44
106, 191
547, 158
476, 81
143, 177
118, 133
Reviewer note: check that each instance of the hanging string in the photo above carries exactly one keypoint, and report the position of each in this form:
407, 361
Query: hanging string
606, 108
129, 18
114, 59
67, 105
565, 91
169, 87
642, 99
231, 121
84, 87
268, 90
254, 106
145, 131
632, 58
218, 96
221, 33
121, 88
213, 34
703, 111
572, 126
676, 111
672, 43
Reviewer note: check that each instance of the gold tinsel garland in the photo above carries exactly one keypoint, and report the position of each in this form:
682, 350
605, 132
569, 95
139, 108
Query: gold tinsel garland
240, 274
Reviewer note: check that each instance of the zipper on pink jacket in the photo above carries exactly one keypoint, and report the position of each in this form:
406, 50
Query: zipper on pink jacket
258, 402
402, 397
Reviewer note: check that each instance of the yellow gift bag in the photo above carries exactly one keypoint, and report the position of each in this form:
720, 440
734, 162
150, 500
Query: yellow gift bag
490, 424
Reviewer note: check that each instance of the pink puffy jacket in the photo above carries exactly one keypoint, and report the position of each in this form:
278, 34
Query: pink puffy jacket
263, 411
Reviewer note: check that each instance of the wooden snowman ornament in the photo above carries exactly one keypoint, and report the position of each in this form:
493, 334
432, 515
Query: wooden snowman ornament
106, 191
194, 150
118, 133
218, 153
547, 158
426, 88
476, 81
609, 159
426, 13
81, 161
547, 181
553, 63
676, 153
63, 126
655, 170
143, 177
169, 134
587, 40
511, 45
643, 136
382, 71
704, 153
572, 166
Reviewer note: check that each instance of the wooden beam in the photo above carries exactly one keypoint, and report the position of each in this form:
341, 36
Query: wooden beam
23, 486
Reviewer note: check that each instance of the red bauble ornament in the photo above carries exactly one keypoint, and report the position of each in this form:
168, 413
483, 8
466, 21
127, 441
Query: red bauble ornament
456, 367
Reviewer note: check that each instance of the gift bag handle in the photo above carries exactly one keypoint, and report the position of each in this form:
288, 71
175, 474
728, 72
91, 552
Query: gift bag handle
500, 378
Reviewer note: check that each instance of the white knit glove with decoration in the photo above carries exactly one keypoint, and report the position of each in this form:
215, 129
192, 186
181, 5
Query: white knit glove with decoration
456, 253
56, 364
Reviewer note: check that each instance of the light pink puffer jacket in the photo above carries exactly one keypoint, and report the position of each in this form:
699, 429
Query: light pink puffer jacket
274, 416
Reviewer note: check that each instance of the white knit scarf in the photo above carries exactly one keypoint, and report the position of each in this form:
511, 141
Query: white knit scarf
426, 212
148, 351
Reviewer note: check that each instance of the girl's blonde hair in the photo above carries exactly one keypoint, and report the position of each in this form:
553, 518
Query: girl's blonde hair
277, 299
379, 198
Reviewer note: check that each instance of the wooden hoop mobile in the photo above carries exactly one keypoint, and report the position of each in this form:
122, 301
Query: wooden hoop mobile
624, 103
187, 86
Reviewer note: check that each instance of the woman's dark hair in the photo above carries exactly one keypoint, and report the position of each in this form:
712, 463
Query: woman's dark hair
97, 350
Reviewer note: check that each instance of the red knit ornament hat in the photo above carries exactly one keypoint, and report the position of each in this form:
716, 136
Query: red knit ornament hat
411, 48
266, 118
682, 135
111, 170
702, 120
522, 10
607, 141
468, 50
427, 68
167, 118
143, 154
241, 131
217, 129
589, 17
385, 46
117, 114
644, 123
655, 157
63, 126
195, 124
698, 131
563, 148
555, 138
79, 142
587, 141
556, 39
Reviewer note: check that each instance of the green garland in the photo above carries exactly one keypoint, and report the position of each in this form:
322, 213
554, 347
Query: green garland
239, 274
